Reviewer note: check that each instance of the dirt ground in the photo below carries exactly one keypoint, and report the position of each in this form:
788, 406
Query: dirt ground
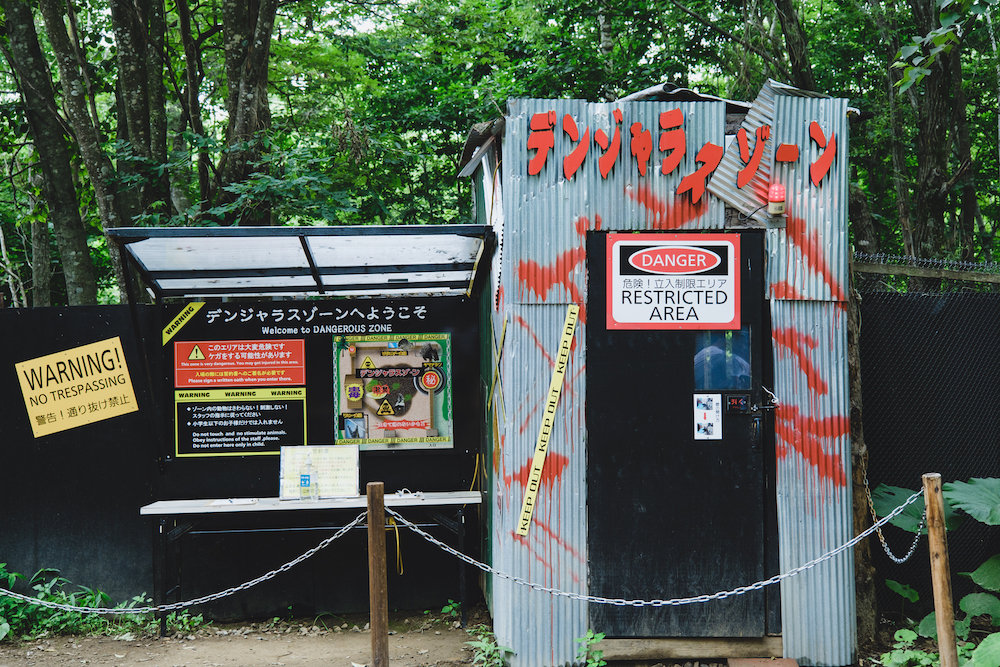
415, 640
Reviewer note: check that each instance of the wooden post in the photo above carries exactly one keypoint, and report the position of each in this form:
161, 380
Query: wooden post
378, 588
937, 542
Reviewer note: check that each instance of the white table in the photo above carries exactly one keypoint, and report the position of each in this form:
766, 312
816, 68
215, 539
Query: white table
186, 513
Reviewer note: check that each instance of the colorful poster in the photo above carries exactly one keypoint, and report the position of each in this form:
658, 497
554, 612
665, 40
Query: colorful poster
673, 281
393, 391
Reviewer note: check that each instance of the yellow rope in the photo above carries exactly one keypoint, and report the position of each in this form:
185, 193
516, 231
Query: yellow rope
399, 552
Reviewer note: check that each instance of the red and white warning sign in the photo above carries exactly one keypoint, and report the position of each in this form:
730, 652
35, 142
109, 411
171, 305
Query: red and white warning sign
233, 363
673, 281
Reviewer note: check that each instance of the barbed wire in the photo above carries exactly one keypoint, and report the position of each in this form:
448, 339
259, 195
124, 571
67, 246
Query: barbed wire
620, 602
925, 262
674, 602
118, 611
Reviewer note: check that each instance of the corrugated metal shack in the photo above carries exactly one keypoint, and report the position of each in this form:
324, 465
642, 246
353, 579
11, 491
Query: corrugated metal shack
633, 469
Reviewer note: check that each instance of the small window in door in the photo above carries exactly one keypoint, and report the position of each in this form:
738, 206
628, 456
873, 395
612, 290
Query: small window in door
722, 360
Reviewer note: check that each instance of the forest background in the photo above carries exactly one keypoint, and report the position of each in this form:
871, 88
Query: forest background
344, 112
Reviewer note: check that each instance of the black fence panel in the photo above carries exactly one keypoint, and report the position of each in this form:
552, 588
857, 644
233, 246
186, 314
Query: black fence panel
931, 388
71, 499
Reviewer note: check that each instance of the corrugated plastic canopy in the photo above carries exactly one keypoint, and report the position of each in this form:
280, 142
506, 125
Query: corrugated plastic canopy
368, 261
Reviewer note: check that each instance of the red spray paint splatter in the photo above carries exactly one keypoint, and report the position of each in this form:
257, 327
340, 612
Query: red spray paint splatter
665, 216
812, 251
555, 465
800, 344
783, 290
540, 279
806, 436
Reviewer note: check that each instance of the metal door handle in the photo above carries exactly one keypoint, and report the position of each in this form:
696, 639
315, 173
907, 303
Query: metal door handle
755, 435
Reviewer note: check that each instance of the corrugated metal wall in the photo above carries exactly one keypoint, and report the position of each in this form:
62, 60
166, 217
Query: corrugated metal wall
807, 285
542, 269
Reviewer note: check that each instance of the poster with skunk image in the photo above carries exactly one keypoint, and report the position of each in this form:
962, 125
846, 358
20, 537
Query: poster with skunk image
393, 391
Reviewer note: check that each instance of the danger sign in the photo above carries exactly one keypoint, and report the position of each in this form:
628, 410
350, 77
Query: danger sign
673, 281
232, 363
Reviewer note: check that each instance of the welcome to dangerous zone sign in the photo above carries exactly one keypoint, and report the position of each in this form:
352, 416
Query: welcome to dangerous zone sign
673, 281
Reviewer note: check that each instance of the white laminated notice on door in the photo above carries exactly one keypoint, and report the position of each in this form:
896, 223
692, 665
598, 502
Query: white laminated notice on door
708, 416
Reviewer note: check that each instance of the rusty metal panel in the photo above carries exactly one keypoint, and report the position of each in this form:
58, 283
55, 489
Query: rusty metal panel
813, 449
808, 258
540, 628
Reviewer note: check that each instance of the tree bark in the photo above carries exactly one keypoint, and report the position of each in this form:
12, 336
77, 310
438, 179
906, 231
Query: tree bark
864, 571
100, 170
932, 141
191, 100
51, 143
247, 28
797, 45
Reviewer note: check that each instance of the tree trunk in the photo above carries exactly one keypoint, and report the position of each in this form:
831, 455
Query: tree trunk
191, 100
50, 142
861, 221
247, 28
100, 170
864, 571
932, 141
797, 45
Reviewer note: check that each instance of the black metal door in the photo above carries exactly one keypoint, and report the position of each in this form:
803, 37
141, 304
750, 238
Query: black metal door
676, 509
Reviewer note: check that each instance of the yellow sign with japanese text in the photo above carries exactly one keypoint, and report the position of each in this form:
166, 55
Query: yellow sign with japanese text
79, 386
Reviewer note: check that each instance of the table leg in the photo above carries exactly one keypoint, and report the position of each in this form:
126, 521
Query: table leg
461, 567
159, 570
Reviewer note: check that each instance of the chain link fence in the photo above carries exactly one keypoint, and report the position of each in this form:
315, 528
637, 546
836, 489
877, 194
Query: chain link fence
930, 367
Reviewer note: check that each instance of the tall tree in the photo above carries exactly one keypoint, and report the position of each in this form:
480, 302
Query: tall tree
50, 138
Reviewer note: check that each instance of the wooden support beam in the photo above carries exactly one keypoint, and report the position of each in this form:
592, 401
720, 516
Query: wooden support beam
378, 587
689, 648
937, 542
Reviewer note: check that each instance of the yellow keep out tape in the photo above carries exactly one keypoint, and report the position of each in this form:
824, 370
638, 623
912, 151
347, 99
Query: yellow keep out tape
548, 421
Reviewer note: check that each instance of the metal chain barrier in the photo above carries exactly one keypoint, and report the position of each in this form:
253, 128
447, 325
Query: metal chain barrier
190, 603
620, 602
881, 538
674, 602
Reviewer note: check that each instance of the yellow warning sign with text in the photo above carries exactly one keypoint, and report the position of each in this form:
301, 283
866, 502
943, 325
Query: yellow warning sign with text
182, 318
75, 387
548, 421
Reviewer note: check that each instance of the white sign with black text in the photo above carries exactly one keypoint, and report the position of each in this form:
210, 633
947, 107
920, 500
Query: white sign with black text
673, 281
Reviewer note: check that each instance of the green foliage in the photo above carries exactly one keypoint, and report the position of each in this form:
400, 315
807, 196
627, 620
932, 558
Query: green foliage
904, 590
29, 621
987, 654
887, 498
987, 575
452, 609
906, 653
979, 498
485, 650
587, 655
